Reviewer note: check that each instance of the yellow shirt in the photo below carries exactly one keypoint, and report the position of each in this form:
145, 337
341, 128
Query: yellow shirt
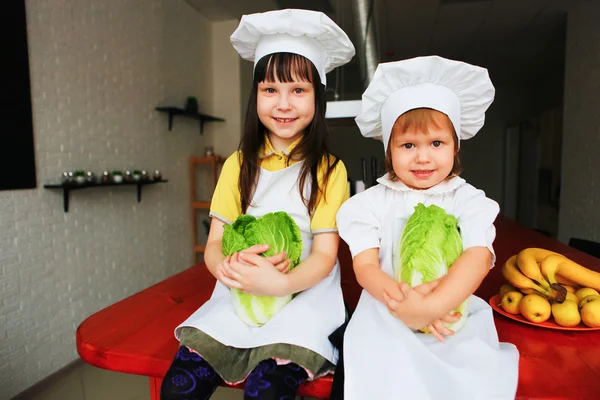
226, 202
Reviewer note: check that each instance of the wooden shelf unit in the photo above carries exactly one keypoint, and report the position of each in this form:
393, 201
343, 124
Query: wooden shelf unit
214, 163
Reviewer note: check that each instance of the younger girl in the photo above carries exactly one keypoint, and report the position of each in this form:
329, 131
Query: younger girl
423, 107
283, 165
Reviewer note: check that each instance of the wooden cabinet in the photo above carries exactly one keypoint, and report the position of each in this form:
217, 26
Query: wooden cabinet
211, 167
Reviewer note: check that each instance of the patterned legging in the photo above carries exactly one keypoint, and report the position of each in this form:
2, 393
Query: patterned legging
190, 377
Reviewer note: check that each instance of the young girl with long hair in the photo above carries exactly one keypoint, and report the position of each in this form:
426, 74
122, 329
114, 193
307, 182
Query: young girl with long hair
283, 164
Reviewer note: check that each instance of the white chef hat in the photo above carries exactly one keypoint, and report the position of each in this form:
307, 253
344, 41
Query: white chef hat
311, 34
461, 91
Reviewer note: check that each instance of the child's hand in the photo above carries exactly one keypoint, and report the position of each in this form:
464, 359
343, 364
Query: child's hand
225, 276
408, 306
278, 260
414, 310
393, 291
438, 329
256, 275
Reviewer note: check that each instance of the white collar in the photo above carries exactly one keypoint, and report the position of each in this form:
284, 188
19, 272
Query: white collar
443, 187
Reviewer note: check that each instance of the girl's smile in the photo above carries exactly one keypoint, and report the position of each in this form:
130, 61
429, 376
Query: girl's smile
285, 121
285, 109
422, 174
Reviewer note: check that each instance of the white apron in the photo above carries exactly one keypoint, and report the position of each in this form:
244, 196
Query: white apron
386, 360
310, 318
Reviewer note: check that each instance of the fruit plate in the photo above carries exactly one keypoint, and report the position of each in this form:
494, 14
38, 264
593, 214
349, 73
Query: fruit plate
549, 324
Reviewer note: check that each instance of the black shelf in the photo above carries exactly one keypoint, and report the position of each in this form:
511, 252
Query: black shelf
173, 111
68, 187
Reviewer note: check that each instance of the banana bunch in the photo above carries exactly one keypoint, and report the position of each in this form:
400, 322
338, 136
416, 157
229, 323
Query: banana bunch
544, 272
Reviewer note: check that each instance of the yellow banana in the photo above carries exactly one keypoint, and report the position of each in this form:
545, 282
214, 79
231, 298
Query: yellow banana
564, 281
549, 266
528, 260
560, 265
514, 276
557, 293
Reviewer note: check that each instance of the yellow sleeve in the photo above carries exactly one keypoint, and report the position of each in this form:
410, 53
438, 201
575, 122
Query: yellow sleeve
226, 204
336, 193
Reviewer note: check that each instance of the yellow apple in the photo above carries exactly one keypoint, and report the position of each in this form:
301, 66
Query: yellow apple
589, 308
586, 291
571, 297
505, 288
587, 299
535, 308
510, 302
566, 313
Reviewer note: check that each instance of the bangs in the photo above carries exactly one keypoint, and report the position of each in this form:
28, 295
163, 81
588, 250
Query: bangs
422, 119
284, 67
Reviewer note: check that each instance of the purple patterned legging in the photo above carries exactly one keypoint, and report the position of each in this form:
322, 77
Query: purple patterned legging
190, 377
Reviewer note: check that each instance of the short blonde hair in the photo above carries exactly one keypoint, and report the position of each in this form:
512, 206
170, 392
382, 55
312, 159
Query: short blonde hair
421, 119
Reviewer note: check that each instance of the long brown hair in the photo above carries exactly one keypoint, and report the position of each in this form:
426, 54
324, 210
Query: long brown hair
312, 147
421, 119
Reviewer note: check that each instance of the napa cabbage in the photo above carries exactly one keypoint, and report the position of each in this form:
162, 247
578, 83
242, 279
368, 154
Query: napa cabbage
281, 233
430, 243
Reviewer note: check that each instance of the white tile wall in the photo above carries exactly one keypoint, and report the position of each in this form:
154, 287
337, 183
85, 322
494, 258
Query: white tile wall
98, 69
580, 191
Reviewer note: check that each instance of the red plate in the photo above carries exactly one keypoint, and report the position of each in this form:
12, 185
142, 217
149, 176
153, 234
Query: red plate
549, 324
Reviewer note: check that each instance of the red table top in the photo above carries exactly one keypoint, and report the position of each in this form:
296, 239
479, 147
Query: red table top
135, 335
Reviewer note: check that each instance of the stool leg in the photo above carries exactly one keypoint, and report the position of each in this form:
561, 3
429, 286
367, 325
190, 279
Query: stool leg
155, 384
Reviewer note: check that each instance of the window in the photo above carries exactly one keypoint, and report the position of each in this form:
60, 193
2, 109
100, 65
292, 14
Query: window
17, 156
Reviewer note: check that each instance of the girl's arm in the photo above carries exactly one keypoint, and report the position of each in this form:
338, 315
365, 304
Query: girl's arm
213, 254
218, 264
465, 276
371, 277
476, 215
382, 287
261, 278
417, 310
314, 268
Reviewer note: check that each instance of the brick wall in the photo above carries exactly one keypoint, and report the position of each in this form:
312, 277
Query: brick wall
98, 69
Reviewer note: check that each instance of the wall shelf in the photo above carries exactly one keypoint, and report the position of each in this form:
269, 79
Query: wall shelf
173, 111
68, 187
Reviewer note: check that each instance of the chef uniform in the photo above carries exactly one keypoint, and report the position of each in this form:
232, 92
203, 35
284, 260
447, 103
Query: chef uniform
384, 359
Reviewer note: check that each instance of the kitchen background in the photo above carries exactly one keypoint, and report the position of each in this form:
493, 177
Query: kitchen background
98, 70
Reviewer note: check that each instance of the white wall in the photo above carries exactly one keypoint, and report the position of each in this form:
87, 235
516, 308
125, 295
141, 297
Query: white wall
580, 194
228, 90
98, 69
227, 85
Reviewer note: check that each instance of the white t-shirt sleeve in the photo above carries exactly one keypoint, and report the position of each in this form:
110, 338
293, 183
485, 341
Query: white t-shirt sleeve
476, 215
359, 222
